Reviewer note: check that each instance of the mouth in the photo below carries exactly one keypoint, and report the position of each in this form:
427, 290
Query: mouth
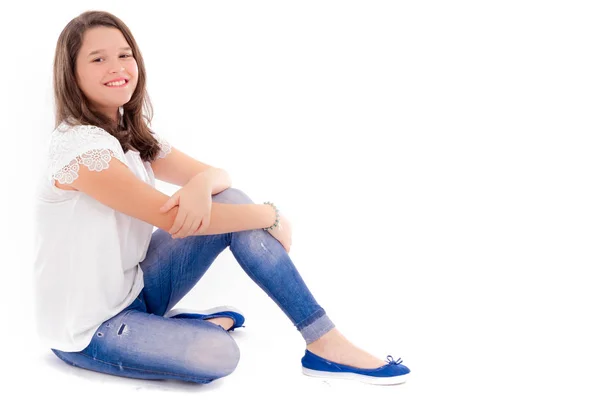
117, 84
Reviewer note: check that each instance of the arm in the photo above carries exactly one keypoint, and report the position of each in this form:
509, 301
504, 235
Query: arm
117, 187
218, 179
178, 168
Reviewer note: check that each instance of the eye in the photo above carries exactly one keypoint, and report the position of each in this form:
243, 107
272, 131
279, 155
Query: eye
122, 55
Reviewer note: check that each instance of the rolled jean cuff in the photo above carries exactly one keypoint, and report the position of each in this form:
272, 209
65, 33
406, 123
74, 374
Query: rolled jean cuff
317, 328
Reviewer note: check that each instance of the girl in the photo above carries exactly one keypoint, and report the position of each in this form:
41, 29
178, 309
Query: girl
105, 284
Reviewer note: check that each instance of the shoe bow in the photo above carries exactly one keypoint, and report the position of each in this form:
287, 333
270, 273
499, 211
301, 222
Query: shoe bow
391, 360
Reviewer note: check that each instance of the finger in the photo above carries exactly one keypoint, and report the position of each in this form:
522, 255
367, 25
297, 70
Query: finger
179, 220
205, 223
199, 228
190, 226
172, 202
186, 228
198, 223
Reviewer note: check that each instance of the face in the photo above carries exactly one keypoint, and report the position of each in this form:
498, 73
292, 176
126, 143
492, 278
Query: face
105, 56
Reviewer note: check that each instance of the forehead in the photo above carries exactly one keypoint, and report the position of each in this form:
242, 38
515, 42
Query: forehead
102, 38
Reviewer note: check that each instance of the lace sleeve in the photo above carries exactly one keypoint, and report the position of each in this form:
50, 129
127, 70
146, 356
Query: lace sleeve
165, 146
84, 144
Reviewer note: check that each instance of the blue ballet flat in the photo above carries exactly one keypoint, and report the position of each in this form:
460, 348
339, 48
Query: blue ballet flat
391, 373
223, 311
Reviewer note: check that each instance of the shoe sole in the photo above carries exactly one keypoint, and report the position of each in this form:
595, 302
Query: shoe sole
214, 310
374, 380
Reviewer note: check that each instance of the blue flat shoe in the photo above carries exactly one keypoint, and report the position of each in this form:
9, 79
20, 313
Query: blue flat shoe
391, 373
223, 311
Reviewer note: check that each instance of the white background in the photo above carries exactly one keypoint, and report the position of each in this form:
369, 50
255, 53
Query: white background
439, 162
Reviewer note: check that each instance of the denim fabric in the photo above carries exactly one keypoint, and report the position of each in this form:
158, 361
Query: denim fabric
140, 343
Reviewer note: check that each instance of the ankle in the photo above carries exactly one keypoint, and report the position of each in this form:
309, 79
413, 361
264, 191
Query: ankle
331, 339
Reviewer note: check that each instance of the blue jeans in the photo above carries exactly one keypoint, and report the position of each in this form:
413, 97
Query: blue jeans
140, 343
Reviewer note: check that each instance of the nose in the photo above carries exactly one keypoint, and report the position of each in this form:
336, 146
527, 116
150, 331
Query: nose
116, 67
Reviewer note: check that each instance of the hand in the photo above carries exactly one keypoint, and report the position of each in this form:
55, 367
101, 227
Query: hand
195, 204
283, 232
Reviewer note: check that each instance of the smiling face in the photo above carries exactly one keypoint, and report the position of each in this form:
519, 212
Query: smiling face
105, 56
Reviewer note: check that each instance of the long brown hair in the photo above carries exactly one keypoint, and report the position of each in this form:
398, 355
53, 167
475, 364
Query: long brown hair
72, 106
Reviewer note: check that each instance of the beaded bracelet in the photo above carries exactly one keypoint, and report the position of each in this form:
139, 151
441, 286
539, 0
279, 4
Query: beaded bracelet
276, 216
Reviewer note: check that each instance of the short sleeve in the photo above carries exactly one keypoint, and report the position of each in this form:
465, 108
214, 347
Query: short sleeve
85, 145
165, 146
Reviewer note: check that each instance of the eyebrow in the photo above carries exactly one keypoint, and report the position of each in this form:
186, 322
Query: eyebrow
101, 50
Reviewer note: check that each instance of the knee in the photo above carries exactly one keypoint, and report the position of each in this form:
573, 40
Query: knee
216, 356
232, 196
229, 355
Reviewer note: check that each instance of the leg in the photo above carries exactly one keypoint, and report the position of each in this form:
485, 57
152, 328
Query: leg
172, 267
265, 260
137, 344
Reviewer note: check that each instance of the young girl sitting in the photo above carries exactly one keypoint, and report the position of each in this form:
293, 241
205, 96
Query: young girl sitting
105, 284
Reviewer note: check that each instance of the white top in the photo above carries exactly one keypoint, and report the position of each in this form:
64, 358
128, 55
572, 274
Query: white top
86, 261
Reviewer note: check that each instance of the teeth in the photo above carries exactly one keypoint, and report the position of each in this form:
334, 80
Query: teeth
118, 83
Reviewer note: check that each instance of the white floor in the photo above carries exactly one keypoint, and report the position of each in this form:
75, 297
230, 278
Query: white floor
457, 346
270, 369
264, 370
